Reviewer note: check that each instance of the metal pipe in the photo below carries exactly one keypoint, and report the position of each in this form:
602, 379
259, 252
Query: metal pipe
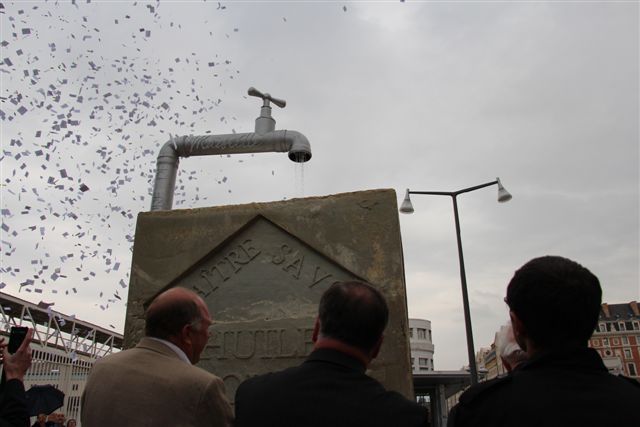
293, 142
465, 298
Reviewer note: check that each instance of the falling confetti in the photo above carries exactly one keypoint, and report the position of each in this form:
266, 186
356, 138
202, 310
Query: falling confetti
96, 110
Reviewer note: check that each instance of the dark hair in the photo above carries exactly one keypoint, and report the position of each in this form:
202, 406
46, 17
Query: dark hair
557, 300
167, 320
354, 313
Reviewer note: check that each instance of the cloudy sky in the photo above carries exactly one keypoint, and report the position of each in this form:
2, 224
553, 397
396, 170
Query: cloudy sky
433, 96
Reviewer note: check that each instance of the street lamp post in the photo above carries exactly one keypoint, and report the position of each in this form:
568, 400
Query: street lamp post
407, 207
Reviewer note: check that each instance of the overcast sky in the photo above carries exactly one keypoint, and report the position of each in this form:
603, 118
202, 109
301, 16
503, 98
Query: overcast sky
424, 95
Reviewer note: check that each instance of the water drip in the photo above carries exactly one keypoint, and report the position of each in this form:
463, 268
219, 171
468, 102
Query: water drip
298, 179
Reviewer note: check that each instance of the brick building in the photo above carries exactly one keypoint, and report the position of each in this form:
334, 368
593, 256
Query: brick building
617, 338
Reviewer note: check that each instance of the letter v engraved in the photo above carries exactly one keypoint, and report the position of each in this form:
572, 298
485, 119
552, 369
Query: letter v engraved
317, 280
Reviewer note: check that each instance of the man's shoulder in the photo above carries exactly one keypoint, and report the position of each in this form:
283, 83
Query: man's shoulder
122, 357
149, 359
393, 401
271, 379
487, 397
486, 388
115, 358
627, 389
634, 383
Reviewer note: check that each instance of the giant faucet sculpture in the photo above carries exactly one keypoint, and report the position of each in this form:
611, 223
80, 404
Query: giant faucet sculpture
264, 139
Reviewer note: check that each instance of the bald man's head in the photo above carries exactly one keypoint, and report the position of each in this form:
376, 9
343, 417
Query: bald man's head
355, 313
170, 311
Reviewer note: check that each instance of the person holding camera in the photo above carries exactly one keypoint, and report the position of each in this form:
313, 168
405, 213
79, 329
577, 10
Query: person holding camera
13, 405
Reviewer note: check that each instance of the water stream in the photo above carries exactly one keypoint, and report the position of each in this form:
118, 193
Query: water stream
298, 178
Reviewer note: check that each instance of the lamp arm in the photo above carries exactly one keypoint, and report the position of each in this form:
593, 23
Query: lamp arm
434, 193
455, 193
475, 187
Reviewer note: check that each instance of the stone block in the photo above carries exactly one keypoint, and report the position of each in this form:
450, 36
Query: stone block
262, 267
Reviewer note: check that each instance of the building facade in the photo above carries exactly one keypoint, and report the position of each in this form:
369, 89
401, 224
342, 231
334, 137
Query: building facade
421, 346
617, 338
489, 364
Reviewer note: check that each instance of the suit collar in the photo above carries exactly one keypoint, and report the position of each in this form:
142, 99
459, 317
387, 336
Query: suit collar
165, 347
336, 357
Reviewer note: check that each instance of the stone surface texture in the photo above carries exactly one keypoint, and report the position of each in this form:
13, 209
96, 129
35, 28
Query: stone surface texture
262, 267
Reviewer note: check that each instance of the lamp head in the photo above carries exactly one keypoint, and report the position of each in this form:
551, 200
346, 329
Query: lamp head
406, 207
503, 194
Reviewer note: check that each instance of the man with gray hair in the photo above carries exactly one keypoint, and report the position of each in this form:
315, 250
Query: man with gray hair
508, 349
155, 383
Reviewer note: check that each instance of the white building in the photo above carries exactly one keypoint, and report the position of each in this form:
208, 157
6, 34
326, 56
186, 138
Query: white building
421, 346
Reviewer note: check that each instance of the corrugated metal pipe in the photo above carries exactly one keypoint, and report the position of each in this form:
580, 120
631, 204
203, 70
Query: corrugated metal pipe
295, 143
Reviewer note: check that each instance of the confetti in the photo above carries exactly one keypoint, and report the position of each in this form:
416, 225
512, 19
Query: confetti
86, 125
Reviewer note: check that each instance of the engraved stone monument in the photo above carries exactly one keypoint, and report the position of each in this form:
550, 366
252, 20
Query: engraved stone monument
261, 268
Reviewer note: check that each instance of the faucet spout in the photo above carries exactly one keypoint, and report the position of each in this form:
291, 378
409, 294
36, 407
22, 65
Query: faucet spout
293, 142
299, 147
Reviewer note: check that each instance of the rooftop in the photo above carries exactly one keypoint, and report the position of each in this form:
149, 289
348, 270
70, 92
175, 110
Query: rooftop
623, 311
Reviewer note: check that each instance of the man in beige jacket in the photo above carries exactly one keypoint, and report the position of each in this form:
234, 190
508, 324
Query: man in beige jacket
155, 383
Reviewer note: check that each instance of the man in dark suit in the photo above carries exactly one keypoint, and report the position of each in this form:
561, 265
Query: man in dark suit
155, 383
554, 305
331, 388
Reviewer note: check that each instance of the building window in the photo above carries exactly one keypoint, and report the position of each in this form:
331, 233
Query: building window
627, 353
413, 361
632, 369
423, 362
622, 328
422, 334
410, 332
625, 340
596, 343
636, 325
616, 341
430, 340
605, 341
601, 327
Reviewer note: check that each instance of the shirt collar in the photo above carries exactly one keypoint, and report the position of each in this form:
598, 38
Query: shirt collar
177, 350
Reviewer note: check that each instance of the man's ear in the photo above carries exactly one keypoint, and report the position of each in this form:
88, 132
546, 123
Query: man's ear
184, 336
519, 331
316, 330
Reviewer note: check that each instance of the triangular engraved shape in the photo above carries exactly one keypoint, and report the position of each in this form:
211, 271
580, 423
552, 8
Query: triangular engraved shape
262, 272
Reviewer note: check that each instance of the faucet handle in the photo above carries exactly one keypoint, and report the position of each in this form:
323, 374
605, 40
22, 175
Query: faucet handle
266, 97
